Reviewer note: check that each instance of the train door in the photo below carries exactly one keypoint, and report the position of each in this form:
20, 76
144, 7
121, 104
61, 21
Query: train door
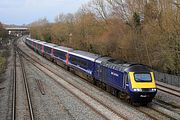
33, 45
36, 47
125, 80
52, 52
67, 58
42, 50
103, 73
99, 74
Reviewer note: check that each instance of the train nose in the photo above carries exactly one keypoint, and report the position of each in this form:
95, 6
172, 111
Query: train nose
142, 96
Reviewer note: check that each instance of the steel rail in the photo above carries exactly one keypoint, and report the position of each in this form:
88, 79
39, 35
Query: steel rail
164, 103
164, 114
26, 88
151, 116
170, 91
168, 87
106, 106
14, 87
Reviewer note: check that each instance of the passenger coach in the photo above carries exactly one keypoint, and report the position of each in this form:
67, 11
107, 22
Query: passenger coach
82, 62
61, 55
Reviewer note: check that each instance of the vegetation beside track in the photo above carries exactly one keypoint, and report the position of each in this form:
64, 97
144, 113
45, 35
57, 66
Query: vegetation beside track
4, 48
4, 54
142, 31
2, 64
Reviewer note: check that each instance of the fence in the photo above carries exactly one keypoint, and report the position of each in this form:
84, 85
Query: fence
167, 78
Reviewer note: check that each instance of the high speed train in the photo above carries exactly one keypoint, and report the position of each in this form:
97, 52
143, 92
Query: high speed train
134, 82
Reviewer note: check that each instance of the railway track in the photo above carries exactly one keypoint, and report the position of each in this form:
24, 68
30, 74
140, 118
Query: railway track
14, 93
172, 91
108, 107
105, 111
156, 113
166, 104
14, 87
27, 89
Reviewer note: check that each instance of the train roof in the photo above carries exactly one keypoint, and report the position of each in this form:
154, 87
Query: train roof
138, 68
102, 59
64, 49
116, 65
86, 55
34, 40
124, 66
29, 39
40, 42
49, 44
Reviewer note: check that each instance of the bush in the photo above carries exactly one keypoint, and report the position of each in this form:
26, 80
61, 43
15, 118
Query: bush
2, 64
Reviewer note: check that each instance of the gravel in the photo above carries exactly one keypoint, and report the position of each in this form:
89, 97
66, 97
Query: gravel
22, 110
6, 91
125, 109
166, 97
57, 103
121, 106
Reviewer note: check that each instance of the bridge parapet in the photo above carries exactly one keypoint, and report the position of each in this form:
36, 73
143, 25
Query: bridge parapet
17, 31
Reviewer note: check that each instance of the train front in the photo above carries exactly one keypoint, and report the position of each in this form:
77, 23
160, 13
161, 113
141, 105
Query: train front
142, 86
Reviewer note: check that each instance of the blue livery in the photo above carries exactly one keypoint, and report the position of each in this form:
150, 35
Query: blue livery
134, 82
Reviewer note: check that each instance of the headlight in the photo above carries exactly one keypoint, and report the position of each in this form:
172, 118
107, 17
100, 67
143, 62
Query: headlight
137, 89
153, 89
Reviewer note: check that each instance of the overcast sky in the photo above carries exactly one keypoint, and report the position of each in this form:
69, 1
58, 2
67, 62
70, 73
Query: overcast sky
26, 11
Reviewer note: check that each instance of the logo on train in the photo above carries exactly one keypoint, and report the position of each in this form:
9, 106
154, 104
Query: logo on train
115, 74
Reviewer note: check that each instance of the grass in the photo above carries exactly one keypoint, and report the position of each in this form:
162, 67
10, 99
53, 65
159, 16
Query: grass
4, 54
2, 64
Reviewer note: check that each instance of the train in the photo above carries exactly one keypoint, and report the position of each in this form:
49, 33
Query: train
132, 82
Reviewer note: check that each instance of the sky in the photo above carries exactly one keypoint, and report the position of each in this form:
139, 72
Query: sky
21, 12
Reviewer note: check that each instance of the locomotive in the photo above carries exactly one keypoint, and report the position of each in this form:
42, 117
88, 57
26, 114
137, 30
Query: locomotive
134, 82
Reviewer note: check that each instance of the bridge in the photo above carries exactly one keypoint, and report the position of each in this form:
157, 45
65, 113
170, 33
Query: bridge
17, 31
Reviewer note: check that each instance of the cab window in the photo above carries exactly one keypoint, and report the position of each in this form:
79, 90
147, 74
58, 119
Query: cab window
142, 77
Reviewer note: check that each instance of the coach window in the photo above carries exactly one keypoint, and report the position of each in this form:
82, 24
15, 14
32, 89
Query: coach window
61, 55
47, 49
55, 52
77, 61
83, 64
73, 60
39, 46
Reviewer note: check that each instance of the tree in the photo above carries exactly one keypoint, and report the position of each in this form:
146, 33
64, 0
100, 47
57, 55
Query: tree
142, 31
3, 34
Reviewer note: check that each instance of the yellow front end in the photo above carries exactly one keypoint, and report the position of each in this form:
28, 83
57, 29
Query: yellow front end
135, 84
142, 91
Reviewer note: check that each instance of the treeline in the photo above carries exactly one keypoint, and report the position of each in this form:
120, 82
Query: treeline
141, 31
3, 34
3, 52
